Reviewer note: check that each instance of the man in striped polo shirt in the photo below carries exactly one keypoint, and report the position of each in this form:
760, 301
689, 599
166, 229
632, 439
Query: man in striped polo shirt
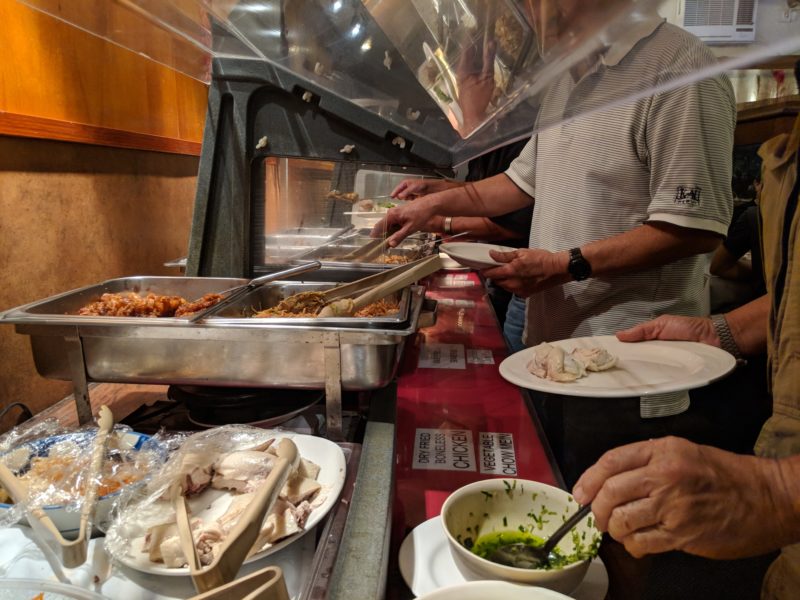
628, 197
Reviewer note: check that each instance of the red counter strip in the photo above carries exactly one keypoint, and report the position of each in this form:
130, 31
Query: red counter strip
456, 405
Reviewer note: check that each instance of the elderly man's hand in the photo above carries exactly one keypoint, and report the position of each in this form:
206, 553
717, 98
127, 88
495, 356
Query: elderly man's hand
408, 189
671, 494
673, 327
402, 221
528, 271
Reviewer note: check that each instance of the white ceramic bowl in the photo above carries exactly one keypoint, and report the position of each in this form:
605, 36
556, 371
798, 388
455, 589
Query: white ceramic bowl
496, 505
67, 520
486, 590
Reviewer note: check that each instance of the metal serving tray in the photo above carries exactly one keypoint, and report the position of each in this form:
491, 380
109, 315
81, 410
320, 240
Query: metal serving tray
283, 246
219, 351
269, 295
336, 254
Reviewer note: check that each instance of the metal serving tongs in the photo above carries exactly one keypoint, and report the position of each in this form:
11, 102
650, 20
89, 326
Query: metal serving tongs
347, 306
73, 552
237, 292
355, 288
235, 549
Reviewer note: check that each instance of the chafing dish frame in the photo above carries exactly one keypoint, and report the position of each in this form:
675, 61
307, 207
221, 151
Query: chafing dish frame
85, 349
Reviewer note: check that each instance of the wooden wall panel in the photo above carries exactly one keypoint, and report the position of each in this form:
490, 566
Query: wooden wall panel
58, 82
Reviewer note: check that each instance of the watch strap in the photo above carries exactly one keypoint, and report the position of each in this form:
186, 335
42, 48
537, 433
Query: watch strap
726, 340
578, 266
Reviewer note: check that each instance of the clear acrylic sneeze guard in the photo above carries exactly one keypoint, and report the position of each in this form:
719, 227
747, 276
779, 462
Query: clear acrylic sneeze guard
467, 75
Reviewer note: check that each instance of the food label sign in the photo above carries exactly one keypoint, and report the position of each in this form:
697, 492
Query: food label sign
442, 356
497, 456
444, 450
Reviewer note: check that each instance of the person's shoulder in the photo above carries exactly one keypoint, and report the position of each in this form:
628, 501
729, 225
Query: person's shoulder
673, 54
680, 50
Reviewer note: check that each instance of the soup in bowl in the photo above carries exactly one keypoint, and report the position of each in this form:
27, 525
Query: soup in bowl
483, 516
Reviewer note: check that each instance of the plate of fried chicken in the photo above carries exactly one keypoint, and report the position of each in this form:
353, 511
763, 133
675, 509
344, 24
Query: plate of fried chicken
219, 471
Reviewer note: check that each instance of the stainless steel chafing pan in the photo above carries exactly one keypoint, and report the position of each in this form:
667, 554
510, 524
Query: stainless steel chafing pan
344, 253
283, 246
268, 296
221, 351
218, 352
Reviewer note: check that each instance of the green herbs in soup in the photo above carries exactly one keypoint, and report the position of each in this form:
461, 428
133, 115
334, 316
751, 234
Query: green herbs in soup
486, 545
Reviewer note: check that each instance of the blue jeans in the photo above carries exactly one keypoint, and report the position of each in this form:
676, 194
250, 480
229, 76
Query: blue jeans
515, 324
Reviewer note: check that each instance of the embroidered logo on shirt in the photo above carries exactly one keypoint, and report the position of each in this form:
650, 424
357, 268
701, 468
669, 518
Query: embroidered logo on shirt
687, 196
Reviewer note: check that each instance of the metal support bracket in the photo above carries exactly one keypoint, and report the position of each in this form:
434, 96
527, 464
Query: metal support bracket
80, 380
333, 385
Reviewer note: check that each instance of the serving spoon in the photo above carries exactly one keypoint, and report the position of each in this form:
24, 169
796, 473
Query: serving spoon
523, 556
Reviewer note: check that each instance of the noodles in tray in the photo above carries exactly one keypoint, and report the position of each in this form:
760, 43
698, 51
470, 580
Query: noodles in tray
308, 304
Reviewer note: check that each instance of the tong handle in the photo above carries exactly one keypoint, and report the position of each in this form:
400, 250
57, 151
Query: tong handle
244, 534
421, 269
239, 291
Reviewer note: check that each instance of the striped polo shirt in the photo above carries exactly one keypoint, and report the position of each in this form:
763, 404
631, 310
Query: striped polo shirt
665, 157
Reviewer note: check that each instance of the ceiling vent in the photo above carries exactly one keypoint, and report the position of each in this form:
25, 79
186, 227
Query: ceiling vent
720, 21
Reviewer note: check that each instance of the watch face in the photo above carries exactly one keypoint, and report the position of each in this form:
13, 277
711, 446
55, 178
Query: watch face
579, 267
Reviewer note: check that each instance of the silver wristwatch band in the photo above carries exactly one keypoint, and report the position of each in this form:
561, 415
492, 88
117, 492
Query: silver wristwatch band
726, 340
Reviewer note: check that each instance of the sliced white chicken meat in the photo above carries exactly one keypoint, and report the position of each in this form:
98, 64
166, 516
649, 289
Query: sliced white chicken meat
242, 471
299, 488
551, 362
594, 359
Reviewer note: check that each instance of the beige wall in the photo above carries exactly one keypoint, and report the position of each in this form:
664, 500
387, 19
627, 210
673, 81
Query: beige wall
73, 215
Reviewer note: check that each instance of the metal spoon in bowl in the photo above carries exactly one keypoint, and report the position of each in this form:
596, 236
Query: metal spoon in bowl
523, 556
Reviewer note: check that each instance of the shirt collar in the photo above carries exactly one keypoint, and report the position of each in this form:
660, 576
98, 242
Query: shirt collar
639, 27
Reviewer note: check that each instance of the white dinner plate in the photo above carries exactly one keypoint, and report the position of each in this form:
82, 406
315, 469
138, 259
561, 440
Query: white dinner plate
483, 590
474, 255
212, 503
643, 368
427, 565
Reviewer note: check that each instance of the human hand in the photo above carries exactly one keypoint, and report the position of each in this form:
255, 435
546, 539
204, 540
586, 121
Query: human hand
673, 327
670, 494
408, 189
402, 221
475, 76
528, 271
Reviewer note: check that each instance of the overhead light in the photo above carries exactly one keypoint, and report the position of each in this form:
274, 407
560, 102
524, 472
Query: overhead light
366, 45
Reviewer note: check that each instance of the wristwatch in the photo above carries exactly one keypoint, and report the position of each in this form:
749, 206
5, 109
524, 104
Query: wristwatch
726, 341
578, 267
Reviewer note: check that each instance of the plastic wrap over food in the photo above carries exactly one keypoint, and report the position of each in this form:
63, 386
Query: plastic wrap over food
18, 437
217, 471
53, 467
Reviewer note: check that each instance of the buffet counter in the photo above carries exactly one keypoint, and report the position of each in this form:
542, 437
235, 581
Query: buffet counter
458, 420
448, 419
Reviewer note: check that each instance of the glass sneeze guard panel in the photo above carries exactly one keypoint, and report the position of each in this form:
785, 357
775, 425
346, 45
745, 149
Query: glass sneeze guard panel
468, 75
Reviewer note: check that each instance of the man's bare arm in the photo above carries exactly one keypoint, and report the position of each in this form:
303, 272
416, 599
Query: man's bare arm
748, 325
644, 247
490, 197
